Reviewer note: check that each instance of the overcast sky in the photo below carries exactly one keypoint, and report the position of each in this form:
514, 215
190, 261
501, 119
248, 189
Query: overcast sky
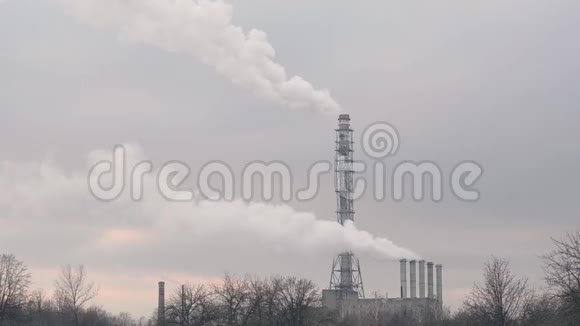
496, 82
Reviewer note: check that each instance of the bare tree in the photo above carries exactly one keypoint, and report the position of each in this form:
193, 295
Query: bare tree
271, 300
233, 297
502, 299
73, 290
562, 268
37, 306
191, 305
543, 311
124, 319
298, 298
14, 282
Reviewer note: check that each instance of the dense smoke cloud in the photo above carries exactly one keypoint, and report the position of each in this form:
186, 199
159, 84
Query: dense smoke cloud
41, 194
204, 29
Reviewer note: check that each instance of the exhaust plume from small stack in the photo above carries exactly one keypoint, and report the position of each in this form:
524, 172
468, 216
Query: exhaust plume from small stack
204, 29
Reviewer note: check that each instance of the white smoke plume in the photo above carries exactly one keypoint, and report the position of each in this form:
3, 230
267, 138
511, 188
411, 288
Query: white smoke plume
44, 197
204, 29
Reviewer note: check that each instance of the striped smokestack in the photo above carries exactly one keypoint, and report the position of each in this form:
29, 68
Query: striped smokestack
430, 293
403, 278
413, 268
439, 271
161, 306
421, 279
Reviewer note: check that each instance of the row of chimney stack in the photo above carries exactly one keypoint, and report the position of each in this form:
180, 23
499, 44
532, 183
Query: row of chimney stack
413, 286
413, 280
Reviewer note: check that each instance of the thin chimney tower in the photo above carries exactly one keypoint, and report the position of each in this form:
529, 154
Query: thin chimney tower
161, 306
413, 278
421, 278
439, 273
346, 276
403, 278
430, 292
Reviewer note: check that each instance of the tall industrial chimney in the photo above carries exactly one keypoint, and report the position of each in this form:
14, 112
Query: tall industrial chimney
421, 278
413, 268
430, 294
439, 270
161, 306
403, 278
346, 276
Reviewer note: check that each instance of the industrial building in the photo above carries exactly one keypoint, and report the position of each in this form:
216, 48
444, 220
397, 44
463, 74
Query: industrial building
349, 302
346, 291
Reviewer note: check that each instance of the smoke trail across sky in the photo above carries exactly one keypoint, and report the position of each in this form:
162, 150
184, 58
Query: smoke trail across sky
42, 194
204, 29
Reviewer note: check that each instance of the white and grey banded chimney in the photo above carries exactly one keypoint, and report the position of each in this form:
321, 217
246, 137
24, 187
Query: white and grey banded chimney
430, 293
421, 278
439, 271
161, 306
413, 278
403, 278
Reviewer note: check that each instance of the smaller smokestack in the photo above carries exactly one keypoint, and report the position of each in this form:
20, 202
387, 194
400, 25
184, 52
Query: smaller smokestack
403, 278
161, 306
439, 270
413, 267
430, 293
421, 278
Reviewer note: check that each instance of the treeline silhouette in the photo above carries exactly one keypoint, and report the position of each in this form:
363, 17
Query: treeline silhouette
499, 299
